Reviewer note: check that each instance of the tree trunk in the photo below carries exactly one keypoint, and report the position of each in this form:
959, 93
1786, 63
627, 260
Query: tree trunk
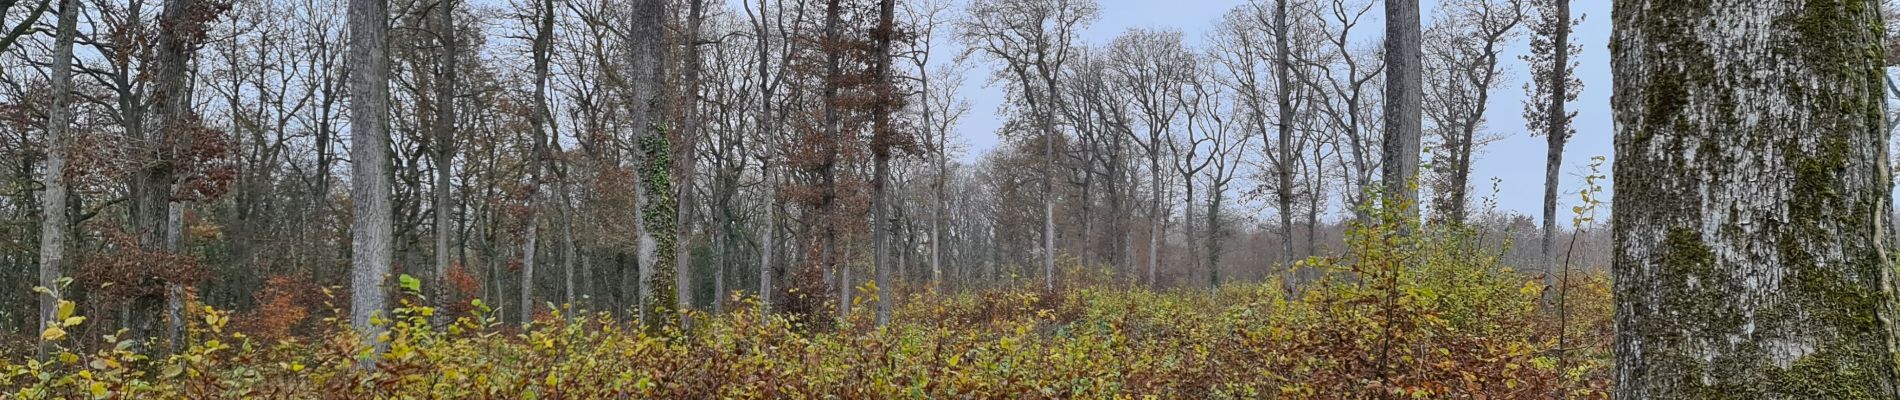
1751, 232
1558, 133
370, 227
647, 58
684, 163
881, 144
540, 119
1283, 164
444, 151
59, 125
1403, 98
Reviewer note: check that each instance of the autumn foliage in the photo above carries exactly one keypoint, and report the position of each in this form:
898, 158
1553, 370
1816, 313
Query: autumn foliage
1421, 316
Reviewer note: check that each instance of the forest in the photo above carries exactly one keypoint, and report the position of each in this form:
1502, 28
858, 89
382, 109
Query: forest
880, 199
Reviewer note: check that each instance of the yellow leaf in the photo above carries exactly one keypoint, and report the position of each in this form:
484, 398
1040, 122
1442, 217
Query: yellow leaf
98, 390
73, 321
65, 309
52, 333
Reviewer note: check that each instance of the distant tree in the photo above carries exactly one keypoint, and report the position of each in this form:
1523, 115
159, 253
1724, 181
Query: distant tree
1553, 85
1468, 42
1034, 39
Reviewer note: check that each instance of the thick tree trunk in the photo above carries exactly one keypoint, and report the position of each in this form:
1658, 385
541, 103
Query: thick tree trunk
171, 92
1403, 98
646, 56
1752, 230
59, 125
370, 227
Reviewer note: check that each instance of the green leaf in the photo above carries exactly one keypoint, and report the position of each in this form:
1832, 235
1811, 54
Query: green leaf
410, 284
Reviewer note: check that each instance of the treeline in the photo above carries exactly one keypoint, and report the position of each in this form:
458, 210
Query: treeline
646, 156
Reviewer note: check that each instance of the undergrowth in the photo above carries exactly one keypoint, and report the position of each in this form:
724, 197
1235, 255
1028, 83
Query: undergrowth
1422, 315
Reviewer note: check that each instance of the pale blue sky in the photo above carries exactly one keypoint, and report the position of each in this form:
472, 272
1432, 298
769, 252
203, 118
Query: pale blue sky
1517, 159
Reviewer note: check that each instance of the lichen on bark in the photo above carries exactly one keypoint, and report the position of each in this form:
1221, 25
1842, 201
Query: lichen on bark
1751, 236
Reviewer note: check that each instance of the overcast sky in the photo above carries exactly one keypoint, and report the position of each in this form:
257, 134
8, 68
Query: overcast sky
1517, 158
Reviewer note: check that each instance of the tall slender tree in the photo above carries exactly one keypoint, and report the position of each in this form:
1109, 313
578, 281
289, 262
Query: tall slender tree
59, 127
443, 146
883, 141
1553, 86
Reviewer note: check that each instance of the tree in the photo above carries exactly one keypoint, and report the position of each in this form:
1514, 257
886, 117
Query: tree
1285, 151
1403, 101
1153, 68
539, 117
1468, 41
25, 27
883, 141
370, 229
1553, 85
684, 168
1753, 210
443, 144
1034, 39
59, 126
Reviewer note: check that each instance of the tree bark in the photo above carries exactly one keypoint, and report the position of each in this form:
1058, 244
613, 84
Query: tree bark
684, 160
1403, 98
647, 56
1557, 133
1752, 231
881, 143
444, 142
370, 227
1283, 163
59, 125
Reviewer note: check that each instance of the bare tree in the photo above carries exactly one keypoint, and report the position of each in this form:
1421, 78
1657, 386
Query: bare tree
1153, 68
883, 141
1346, 83
1468, 41
1034, 39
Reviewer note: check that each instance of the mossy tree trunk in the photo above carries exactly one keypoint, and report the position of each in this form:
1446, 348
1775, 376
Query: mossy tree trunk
1751, 236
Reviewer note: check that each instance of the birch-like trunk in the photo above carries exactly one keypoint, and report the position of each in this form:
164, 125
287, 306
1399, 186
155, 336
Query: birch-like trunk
1751, 229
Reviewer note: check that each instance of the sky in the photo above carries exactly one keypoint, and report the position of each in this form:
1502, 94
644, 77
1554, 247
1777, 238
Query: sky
1517, 159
